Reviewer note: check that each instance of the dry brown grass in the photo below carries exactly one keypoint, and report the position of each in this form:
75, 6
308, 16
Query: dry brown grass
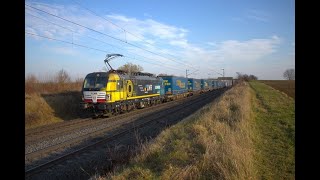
286, 86
50, 108
52, 100
38, 112
214, 143
51, 87
60, 82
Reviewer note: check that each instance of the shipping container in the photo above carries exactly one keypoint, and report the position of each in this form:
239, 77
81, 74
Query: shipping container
175, 85
194, 85
204, 85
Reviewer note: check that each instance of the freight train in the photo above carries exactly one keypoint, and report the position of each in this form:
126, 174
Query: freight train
116, 91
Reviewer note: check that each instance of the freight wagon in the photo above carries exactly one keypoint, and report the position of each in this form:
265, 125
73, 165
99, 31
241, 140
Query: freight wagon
116, 91
194, 85
204, 85
174, 87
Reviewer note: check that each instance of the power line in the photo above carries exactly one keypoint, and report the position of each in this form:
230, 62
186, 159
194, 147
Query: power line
80, 45
215, 71
66, 42
101, 17
101, 41
153, 63
76, 23
103, 34
116, 25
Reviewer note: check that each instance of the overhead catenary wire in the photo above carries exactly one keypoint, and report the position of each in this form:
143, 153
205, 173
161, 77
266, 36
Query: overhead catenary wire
114, 24
80, 45
215, 71
103, 42
103, 34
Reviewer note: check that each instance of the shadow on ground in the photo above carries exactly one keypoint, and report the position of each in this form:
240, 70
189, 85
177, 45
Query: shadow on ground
66, 105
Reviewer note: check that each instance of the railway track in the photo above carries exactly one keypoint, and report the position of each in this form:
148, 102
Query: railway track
151, 116
58, 129
67, 137
52, 140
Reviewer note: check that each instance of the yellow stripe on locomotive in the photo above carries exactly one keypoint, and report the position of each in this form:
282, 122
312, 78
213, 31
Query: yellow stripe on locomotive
120, 89
115, 91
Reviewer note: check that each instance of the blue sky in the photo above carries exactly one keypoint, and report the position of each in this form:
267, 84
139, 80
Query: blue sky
204, 36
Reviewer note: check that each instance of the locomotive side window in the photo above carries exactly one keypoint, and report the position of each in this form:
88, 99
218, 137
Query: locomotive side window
120, 84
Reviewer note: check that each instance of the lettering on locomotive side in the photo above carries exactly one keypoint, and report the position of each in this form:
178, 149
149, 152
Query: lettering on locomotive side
148, 87
141, 88
166, 83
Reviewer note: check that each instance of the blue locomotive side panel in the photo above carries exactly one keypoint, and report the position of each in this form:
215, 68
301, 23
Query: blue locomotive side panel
194, 84
146, 85
175, 85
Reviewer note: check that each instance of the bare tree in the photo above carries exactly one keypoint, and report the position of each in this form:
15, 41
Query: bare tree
31, 79
246, 77
130, 68
62, 77
253, 77
164, 74
289, 74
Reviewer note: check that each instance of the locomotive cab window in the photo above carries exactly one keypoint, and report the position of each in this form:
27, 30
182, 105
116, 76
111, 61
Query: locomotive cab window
95, 82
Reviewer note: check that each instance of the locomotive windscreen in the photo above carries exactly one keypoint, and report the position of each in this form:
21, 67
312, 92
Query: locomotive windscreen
95, 81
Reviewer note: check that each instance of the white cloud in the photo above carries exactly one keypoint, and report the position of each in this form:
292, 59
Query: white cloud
31, 30
258, 15
149, 27
168, 40
211, 43
182, 43
249, 50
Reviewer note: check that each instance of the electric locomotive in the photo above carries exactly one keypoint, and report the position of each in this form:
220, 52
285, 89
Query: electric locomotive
115, 91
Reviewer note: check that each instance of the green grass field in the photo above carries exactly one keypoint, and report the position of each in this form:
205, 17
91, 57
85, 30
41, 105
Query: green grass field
249, 133
274, 133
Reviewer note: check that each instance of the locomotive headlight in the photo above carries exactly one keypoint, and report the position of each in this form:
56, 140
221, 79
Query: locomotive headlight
108, 97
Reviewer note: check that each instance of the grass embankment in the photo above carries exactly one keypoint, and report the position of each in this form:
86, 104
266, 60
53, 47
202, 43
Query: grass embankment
214, 143
248, 133
286, 86
50, 102
274, 133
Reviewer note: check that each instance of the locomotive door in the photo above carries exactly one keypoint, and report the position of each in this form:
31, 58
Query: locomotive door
121, 89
